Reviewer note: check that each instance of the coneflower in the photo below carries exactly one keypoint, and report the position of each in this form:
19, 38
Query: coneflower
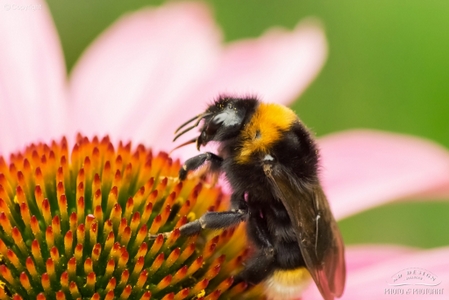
75, 225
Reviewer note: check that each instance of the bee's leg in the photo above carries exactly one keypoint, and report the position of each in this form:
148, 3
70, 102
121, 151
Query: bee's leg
262, 263
211, 220
196, 162
257, 268
214, 220
238, 202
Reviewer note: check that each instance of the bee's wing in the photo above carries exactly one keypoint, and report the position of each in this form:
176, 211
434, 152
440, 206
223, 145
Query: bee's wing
317, 232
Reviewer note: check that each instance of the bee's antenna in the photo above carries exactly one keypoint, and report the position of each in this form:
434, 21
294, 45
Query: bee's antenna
191, 120
184, 144
187, 122
198, 118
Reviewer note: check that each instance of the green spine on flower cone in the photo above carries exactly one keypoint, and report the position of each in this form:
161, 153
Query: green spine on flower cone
75, 225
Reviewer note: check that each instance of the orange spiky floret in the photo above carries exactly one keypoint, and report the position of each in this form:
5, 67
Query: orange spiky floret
76, 224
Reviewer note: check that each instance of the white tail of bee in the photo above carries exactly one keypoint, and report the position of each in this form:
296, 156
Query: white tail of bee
287, 284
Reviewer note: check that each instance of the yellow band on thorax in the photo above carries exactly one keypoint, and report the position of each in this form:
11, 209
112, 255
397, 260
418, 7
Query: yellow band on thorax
265, 128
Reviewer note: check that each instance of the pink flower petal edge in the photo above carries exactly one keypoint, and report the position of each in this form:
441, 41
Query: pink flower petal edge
373, 279
366, 168
32, 76
155, 68
138, 69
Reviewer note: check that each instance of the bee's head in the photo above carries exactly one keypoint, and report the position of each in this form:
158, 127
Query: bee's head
222, 120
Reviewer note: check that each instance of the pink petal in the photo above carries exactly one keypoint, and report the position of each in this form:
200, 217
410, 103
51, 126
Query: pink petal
367, 256
155, 68
364, 168
32, 75
140, 68
372, 280
276, 67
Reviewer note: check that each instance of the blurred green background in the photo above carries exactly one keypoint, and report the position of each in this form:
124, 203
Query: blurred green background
387, 69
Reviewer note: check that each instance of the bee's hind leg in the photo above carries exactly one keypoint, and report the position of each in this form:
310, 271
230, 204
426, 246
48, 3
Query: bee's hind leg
262, 263
258, 267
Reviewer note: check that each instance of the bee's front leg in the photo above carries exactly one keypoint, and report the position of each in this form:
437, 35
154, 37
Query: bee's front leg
197, 161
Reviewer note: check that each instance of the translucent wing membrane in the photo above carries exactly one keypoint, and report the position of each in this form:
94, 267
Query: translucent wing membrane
318, 235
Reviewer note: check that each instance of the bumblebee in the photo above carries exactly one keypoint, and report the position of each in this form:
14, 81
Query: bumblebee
270, 160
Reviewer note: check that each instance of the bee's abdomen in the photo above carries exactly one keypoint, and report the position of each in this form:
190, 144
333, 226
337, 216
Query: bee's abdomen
287, 285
